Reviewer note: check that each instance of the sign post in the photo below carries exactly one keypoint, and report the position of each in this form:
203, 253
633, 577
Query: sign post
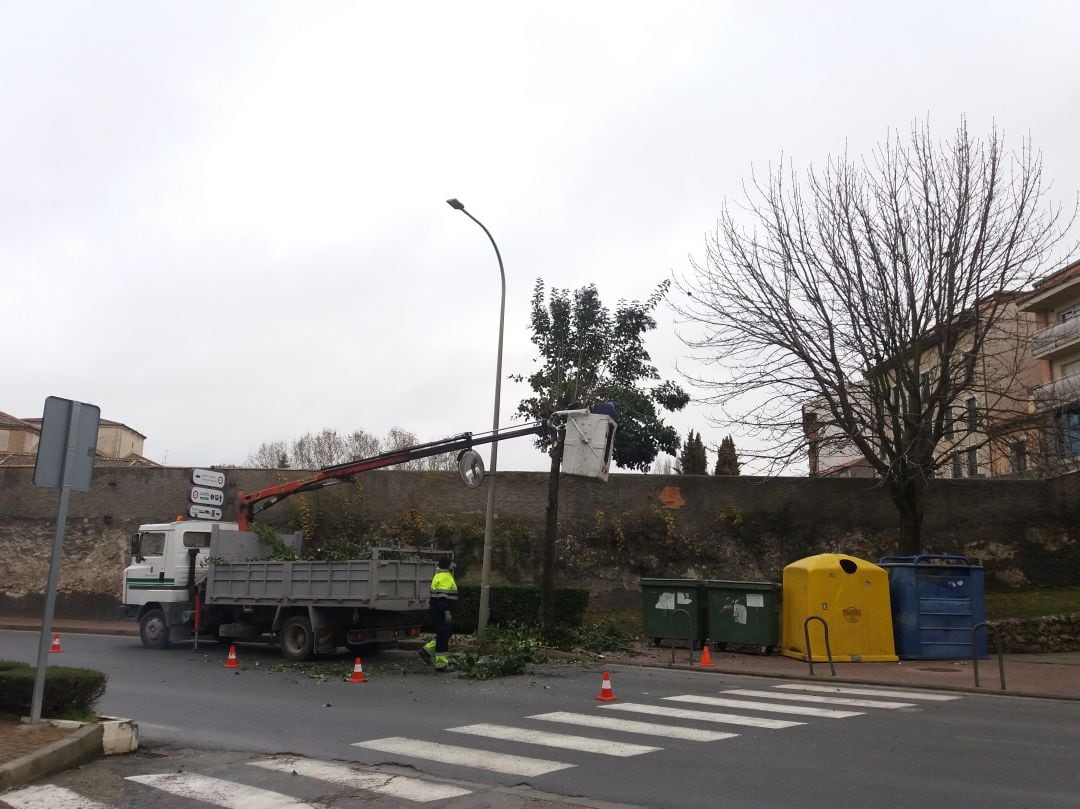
65, 461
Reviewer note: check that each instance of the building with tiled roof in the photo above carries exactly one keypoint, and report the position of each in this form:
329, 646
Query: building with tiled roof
117, 444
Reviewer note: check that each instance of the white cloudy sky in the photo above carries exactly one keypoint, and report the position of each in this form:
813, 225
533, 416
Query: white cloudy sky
224, 223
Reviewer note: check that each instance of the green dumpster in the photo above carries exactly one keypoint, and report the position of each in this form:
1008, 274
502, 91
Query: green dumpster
673, 609
743, 612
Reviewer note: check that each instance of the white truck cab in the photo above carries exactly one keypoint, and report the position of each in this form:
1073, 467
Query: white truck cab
160, 569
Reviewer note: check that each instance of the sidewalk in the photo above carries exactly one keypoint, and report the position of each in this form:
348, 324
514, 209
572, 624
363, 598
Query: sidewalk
1055, 676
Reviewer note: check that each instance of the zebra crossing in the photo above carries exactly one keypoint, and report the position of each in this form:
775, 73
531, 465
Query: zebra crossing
802, 702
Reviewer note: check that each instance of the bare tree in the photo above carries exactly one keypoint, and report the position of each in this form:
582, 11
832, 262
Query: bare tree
879, 292
269, 455
399, 438
360, 444
314, 451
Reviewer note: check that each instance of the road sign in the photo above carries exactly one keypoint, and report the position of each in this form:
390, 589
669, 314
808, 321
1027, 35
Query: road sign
65, 452
208, 477
205, 512
210, 497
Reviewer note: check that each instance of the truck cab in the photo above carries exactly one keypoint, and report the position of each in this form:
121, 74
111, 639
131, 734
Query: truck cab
167, 560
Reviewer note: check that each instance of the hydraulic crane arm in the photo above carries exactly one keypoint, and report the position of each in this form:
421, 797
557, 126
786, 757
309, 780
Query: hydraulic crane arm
251, 504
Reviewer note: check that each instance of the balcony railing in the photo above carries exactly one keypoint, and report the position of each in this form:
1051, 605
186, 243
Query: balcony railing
1058, 393
1060, 335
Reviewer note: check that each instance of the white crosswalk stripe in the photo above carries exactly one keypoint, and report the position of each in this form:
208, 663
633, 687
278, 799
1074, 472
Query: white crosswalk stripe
48, 796
855, 703
630, 726
397, 786
870, 692
799, 710
464, 756
219, 792
702, 716
580, 743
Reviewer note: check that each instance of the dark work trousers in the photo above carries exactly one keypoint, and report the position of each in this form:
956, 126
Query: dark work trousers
439, 612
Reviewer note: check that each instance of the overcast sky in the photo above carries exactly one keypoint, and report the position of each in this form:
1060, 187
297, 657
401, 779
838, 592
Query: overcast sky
225, 223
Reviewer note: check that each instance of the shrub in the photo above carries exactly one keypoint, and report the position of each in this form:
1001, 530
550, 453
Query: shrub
513, 648
67, 690
511, 605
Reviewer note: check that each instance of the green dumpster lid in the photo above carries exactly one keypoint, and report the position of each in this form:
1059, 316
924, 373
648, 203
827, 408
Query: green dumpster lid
742, 585
685, 583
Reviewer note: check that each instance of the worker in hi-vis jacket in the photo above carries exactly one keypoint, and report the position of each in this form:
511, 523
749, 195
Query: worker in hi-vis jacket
440, 610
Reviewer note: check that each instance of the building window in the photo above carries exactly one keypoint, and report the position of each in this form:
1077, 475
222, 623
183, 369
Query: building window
972, 414
1069, 430
1018, 456
948, 422
924, 384
973, 463
957, 466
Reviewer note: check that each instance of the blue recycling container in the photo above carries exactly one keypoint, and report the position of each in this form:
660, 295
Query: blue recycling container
936, 600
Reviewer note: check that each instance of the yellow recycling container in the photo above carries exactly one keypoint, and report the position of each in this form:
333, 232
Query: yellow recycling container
851, 595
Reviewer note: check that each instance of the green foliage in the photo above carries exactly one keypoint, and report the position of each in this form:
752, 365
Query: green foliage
692, 459
589, 354
1033, 603
516, 605
507, 652
727, 460
68, 691
279, 550
599, 635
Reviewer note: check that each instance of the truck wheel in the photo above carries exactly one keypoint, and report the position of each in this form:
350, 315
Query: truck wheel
296, 638
153, 630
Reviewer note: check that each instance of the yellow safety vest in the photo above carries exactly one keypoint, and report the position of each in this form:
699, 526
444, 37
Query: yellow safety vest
444, 586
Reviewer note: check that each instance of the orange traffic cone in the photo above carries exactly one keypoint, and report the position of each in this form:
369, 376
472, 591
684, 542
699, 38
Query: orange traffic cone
706, 656
231, 662
357, 673
55, 644
606, 694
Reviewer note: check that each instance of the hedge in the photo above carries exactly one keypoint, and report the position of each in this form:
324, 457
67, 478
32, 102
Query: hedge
518, 604
67, 689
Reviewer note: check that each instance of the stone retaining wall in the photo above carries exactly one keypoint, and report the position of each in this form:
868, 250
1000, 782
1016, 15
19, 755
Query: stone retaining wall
1054, 633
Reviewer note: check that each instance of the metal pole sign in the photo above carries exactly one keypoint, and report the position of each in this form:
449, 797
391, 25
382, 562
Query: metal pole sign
65, 461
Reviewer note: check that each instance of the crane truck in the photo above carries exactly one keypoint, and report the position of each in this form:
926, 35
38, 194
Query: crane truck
193, 577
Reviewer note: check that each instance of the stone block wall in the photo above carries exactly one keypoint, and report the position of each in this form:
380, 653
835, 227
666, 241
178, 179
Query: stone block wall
1025, 532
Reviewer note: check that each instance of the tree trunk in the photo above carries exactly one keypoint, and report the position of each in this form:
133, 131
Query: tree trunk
551, 531
908, 496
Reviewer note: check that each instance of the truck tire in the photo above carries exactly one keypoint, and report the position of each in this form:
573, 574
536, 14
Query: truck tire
154, 630
296, 639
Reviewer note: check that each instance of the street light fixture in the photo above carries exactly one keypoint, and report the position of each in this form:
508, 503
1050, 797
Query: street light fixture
485, 569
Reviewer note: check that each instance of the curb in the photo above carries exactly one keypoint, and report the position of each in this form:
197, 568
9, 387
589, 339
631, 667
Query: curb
85, 744
987, 692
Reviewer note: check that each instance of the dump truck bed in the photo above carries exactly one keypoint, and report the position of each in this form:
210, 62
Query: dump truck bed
381, 584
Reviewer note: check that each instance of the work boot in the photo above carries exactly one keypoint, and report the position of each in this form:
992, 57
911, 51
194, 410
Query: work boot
426, 650
441, 662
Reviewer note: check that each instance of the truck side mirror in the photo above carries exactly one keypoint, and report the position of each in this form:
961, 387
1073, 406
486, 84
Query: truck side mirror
136, 547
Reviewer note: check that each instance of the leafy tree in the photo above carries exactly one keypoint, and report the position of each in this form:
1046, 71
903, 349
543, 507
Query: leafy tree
693, 460
872, 289
727, 461
590, 354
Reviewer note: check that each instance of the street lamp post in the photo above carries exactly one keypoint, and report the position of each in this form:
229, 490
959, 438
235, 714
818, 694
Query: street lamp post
485, 569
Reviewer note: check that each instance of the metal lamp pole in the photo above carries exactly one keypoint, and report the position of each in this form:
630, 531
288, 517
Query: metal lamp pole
485, 570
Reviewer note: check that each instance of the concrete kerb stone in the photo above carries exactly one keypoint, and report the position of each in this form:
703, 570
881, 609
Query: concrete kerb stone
84, 745
984, 691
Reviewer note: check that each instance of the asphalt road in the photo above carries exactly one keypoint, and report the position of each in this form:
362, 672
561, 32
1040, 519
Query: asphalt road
993, 752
